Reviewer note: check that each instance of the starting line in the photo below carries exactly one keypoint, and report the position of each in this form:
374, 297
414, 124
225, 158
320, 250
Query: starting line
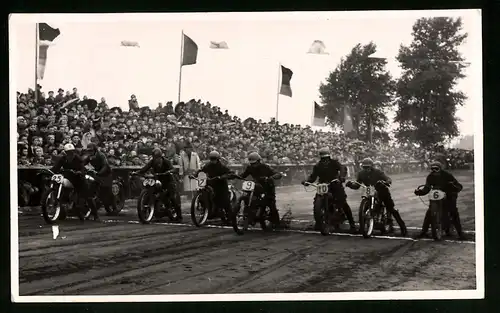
292, 231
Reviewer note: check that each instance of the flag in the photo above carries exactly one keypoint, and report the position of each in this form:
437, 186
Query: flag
286, 76
317, 47
319, 115
46, 35
189, 51
347, 120
127, 43
218, 45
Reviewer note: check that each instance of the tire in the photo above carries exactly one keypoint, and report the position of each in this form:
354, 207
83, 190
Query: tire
119, 200
436, 226
366, 223
264, 219
199, 199
47, 196
239, 210
145, 195
319, 215
384, 229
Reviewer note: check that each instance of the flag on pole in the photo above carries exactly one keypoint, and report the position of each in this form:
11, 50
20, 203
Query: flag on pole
189, 51
46, 35
319, 117
286, 76
347, 120
127, 43
218, 45
317, 47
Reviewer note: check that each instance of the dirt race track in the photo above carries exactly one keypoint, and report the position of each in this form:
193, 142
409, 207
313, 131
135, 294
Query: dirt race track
119, 256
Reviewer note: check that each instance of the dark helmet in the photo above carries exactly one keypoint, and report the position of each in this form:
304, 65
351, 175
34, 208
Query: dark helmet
214, 155
253, 157
324, 153
367, 163
436, 166
157, 153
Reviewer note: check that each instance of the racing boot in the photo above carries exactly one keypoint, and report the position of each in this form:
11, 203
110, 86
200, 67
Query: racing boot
399, 220
348, 213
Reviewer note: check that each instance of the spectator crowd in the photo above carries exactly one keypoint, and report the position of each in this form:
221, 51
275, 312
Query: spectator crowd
46, 122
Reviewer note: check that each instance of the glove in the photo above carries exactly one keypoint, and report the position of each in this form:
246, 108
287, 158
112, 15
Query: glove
191, 177
417, 192
342, 179
303, 182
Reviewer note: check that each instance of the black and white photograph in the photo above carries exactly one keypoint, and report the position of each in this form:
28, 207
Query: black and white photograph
246, 156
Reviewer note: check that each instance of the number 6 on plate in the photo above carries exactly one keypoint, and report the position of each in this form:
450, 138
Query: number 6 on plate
248, 186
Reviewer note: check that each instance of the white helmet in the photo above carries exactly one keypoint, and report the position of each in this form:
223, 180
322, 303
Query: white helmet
69, 147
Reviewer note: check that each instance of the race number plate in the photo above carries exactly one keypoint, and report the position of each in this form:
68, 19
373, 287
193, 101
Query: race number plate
248, 186
148, 182
58, 178
370, 191
436, 195
322, 189
202, 180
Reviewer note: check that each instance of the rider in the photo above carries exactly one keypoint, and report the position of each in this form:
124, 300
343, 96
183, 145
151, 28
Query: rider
326, 170
443, 180
70, 160
218, 174
264, 174
373, 177
378, 165
161, 165
104, 175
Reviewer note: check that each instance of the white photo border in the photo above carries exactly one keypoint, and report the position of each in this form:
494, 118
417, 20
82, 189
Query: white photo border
475, 73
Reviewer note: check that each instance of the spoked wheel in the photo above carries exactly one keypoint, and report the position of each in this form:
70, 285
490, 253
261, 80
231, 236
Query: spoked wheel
146, 206
81, 208
118, 198
385, 227
265, 219
199, 210
436, 226
51, 207
366, 221
321, 215
240, 217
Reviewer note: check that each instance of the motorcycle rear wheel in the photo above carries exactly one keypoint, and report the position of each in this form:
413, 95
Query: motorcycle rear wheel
240, 211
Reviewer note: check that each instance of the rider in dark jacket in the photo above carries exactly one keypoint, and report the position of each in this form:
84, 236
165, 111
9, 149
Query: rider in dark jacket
326, 170
373, 177
218, 173
104, 175
445, 181
72, 161
264, 175
159, 165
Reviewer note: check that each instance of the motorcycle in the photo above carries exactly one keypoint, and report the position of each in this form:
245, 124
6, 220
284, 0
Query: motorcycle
323, 216
64, 198
150, 203
118, 190
251, 208
203, 201
436, 197
372, 212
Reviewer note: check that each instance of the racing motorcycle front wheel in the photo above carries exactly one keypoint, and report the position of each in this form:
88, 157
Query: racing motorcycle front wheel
366, 221
239, 218
199, 209
146, 206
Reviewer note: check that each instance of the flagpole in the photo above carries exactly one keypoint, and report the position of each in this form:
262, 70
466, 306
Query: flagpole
180, 67
37, 47
278, 93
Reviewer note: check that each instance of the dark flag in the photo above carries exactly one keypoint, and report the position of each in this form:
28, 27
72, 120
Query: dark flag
189, 51
286, 76
319, 115
46, 35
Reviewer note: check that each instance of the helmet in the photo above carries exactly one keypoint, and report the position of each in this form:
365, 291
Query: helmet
324, 152
367, 162
69, 147
253, 157
157, 152
214, 155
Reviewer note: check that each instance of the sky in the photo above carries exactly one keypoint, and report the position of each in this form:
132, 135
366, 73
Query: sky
242, 79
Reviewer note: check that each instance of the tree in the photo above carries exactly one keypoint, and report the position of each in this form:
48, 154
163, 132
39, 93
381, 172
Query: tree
365, 86
432, 65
